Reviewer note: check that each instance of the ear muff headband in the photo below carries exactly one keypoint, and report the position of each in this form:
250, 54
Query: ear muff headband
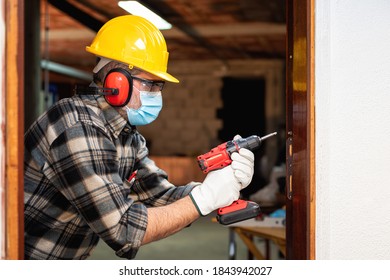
120, 79
80, 89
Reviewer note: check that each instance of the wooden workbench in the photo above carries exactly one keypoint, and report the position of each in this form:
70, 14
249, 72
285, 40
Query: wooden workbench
273, 234
249, 229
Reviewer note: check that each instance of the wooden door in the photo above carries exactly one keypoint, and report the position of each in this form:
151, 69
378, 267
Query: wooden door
300, 192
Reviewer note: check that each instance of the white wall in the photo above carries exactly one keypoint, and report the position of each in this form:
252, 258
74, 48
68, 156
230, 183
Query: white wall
352, 99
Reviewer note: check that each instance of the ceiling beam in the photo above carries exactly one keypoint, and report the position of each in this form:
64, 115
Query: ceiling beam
240, 29
237, 29
77, 14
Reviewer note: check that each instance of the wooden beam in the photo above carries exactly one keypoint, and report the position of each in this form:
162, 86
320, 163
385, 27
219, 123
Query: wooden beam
204, 30
77, 14
14, 128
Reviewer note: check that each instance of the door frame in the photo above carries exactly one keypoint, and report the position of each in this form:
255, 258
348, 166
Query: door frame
300, 125
300, 128
14, 131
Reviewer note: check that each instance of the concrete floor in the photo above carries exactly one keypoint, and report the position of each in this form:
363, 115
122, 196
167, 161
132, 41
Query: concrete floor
203, 240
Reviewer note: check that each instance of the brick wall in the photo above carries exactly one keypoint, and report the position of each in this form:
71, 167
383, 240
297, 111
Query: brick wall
188, 124
180, 170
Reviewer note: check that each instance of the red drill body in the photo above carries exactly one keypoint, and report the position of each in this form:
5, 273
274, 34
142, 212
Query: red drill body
219, 157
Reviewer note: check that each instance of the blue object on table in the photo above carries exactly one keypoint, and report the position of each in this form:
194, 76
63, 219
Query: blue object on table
280, 213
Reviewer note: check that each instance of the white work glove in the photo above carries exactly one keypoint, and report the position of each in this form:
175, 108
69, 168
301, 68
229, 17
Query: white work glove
221, 187
243, 165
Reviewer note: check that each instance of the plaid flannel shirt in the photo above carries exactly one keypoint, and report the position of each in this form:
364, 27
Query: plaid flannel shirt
78, 157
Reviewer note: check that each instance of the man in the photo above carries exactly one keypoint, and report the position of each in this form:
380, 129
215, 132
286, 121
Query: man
87, 171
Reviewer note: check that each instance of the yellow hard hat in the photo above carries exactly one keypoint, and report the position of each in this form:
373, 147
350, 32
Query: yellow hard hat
135, 41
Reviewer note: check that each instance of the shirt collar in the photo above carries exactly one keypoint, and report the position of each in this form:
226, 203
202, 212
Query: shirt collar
114, 121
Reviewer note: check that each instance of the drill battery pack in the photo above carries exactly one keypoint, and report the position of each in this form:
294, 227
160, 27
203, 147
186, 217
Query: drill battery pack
238, 211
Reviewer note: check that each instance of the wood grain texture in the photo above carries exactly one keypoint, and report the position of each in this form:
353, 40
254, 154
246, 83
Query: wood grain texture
14, 129
300, 130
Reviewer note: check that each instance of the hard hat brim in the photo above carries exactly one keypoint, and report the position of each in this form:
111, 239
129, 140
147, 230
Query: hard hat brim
165, 76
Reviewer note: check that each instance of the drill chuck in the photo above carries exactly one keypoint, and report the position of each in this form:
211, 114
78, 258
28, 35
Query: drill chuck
251, 143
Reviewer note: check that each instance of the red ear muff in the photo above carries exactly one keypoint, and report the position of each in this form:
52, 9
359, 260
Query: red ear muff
120, 79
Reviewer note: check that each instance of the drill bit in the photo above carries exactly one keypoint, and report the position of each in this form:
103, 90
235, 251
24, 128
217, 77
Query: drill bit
267, 136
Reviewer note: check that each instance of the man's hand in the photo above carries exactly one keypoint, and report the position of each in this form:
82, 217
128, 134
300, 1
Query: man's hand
221, 187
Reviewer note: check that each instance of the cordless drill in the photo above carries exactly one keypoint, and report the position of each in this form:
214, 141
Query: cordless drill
219, 157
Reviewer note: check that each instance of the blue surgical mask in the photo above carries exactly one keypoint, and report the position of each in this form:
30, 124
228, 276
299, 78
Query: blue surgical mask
149, 110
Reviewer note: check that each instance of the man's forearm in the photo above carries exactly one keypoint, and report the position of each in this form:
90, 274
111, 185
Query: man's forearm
167, 220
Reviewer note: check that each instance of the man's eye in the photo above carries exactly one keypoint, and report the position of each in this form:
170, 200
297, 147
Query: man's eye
148, 84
